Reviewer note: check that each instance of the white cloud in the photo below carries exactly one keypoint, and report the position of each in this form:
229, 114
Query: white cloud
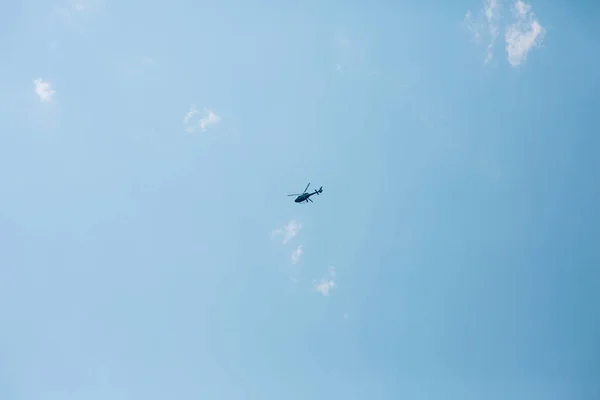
296, 254
490, 8
289, 231
325, 285
210, 119
485, 24
472, 26
71, 12
43, 89
523, 35
190, 114
521, 9
192, 124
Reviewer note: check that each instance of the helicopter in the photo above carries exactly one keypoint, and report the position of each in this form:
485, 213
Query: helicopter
305, 197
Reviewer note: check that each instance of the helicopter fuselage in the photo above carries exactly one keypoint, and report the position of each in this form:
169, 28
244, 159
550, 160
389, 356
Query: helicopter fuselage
303, 197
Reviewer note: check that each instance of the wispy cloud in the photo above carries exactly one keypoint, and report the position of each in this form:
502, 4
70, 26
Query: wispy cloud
288, 232
523, 35
190, 114
210, 119
192, 123
296, 254
70, 12
485, 23
523, 31
473, 27
43, 89
490, 9
325, 285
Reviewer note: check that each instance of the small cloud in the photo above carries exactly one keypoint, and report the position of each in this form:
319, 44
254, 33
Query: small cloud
296, 254
325, 285
484, 24
473, 28
70, 12
346, 316
521, 9
490, 8
190, 114
210, 119
289, 231
523, 35
43, 89
192, 124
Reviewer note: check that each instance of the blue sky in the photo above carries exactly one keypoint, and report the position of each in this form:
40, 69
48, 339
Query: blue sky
148, 248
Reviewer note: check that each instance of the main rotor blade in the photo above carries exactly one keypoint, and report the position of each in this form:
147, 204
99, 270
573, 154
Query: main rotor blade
306, 187
298, 194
